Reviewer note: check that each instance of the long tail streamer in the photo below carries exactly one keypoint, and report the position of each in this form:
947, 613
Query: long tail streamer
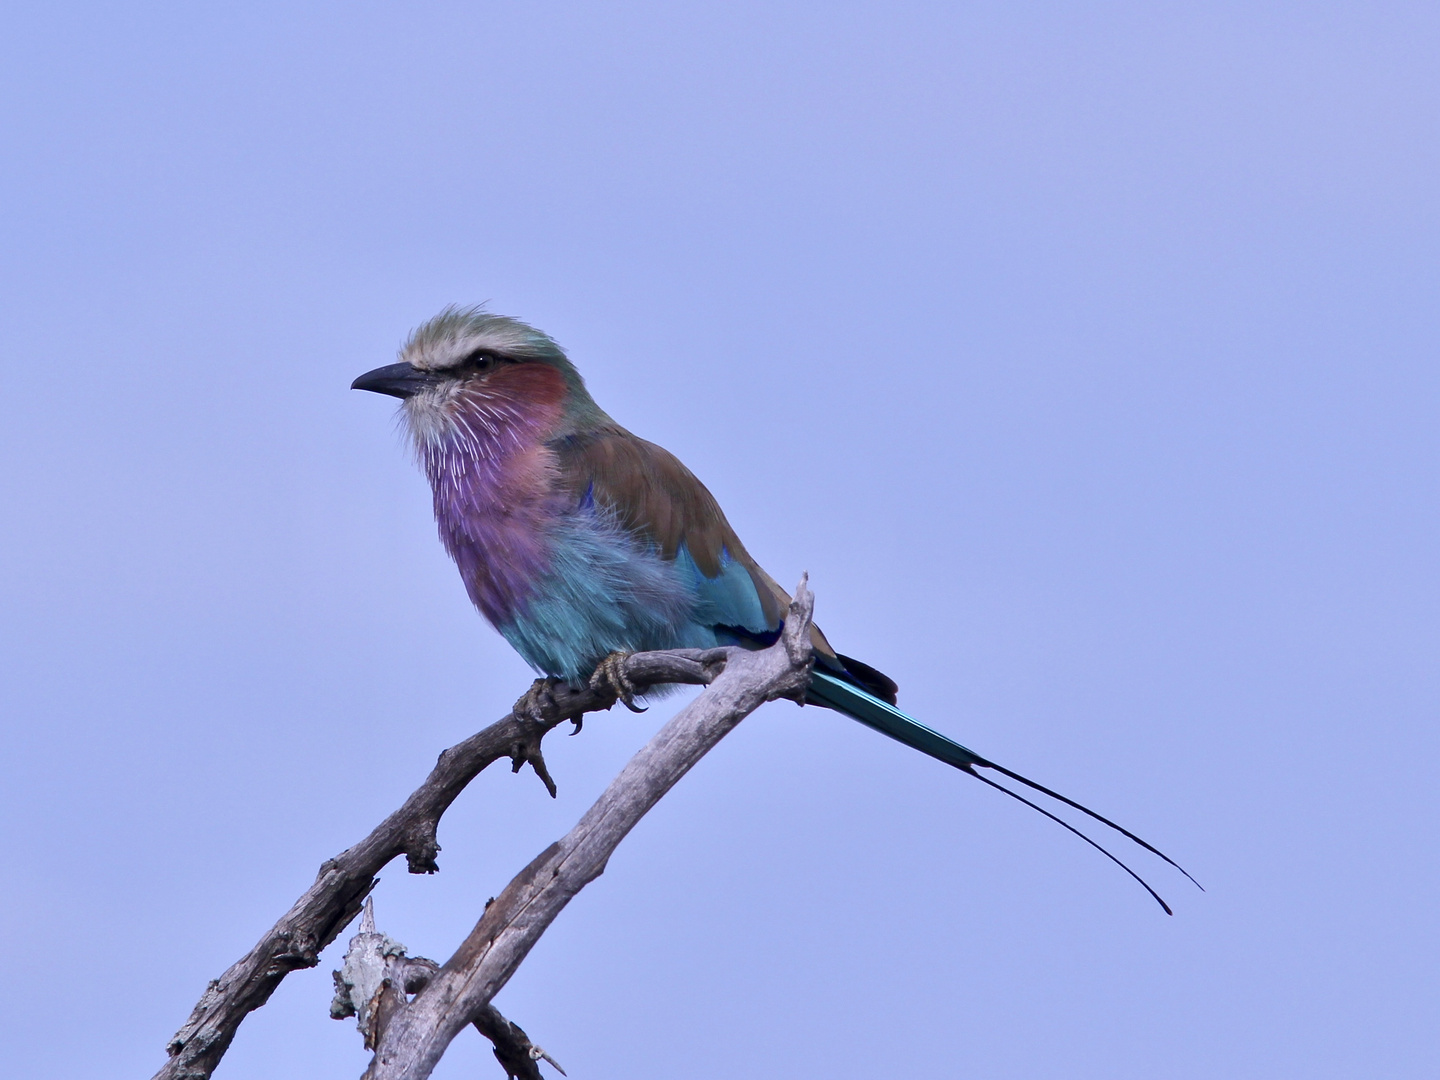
835, 693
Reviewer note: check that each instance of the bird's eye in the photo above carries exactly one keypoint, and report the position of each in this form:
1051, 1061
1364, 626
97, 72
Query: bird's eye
481, 361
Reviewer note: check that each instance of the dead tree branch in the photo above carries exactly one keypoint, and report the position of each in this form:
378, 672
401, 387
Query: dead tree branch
343, 882
377, 978
415, 1035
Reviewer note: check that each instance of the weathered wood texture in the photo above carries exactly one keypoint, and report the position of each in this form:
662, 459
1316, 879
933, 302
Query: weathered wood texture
343, 882
415, 1035
376, 979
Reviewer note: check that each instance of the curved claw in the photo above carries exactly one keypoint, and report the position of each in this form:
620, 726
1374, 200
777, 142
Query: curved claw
610, 676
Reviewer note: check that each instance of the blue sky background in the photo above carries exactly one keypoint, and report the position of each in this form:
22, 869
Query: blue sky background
1084, 354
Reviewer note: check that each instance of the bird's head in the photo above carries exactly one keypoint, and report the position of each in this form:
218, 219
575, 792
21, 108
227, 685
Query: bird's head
480, 377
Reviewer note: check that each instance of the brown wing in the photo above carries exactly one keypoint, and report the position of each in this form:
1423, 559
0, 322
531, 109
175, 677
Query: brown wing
656, 497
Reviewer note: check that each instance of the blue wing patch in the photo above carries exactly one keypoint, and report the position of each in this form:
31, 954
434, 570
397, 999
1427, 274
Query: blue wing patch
727, 600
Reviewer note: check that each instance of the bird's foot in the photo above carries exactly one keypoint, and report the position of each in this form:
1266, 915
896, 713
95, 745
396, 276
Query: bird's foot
610, 676
538, 703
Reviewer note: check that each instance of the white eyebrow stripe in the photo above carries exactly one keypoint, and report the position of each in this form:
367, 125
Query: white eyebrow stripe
447, 351
451, 352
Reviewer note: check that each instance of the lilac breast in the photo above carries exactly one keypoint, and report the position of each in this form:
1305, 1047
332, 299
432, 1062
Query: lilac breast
493, 482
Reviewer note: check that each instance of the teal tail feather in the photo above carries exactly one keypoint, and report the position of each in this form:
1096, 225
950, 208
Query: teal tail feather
834, 692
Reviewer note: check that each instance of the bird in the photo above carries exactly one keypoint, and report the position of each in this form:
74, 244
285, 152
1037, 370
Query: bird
582, 543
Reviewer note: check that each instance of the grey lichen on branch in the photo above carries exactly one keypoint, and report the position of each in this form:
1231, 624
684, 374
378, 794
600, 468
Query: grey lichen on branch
343, 883
377, 979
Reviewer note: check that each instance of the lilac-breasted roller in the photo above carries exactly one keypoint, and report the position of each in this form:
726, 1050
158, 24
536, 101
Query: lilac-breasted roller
578, 540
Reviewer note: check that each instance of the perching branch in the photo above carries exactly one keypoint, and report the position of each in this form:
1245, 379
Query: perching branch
329, 905
415, 1035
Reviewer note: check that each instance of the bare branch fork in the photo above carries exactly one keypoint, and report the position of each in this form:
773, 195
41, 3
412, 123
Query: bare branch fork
411, 1035
378, 977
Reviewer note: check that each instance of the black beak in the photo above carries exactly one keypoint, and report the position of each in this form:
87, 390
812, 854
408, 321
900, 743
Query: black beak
397, 380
